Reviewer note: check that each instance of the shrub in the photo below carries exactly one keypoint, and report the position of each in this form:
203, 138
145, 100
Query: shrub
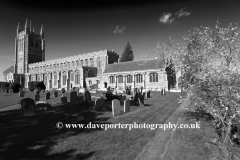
39, 85
15, 87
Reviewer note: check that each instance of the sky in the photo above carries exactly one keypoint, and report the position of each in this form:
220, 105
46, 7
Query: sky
77, 27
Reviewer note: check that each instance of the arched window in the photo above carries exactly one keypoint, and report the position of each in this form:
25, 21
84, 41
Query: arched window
65, 64
153, 77
92, 62
71, 76
86, 62
64, 78
138, 78
45, 80
55, 79
77, 77
90, 73
73, 64
81, 63
38, 78
111, 79
36, 44
98, 82
31, 43
69, 64
77, 63
99, 66
120, 79
129, 79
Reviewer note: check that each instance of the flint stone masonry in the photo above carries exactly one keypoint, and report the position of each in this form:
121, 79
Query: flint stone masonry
115, 107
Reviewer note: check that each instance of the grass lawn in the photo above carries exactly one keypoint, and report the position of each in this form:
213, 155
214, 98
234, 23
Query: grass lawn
38, 138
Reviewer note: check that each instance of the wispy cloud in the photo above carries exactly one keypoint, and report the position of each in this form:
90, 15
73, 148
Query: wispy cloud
182, 13
166, 18
119, 30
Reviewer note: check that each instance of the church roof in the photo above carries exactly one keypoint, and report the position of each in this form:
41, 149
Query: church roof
10, 69
134, 66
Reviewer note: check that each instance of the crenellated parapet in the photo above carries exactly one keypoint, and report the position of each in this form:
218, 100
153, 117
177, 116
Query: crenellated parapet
91, 59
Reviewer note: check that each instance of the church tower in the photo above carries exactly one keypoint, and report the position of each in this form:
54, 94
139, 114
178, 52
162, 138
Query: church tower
29, 48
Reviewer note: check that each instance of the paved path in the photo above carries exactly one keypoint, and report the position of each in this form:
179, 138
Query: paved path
156, 149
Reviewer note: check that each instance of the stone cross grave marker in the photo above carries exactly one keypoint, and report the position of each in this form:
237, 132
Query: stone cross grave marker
115, 107
126, 106
21, 94
98, 104
88, 97
73, 99
47, 95
64, 100
80, 98
55, 93
28, 106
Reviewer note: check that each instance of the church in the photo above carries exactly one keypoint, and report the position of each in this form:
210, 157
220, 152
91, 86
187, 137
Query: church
81, 70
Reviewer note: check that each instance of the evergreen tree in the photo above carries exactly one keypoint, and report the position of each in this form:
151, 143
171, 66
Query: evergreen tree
112, 57
127, 54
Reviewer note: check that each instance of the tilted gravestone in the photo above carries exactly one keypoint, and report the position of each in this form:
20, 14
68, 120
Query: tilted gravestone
47, 95
64, 100
37, 97
88, 97
55, 93
27, 106
21, 94
115, 107
73, 99
126, 106
98, 104
80, 98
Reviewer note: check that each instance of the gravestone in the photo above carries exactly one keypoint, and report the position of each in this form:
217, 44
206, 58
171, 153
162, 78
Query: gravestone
10, 90
126, 106
55, 93
27, 106
115, 107
144, 95
80, 98
123, 98
64, 94
98, 104
64, 100
37, 97
21, 94
148, 94
73, 99
136, 96
47, 95
88, 97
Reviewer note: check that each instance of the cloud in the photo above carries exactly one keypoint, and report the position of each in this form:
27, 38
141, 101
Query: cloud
166, 18
182, 13
119, 30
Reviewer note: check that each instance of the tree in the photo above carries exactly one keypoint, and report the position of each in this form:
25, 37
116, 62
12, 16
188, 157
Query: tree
112, 57
127, 54
209, 65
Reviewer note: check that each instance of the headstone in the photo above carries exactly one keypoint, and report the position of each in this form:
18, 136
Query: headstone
73, 99
148, 94
136, 96
98, 104
115, 107
10, 90
47, 95
55, 93
80, 98
88, 97
64, 100
126, 106
21, 94
37, 97
28, 106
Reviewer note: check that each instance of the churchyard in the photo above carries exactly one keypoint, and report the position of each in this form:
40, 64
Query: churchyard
37, 137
